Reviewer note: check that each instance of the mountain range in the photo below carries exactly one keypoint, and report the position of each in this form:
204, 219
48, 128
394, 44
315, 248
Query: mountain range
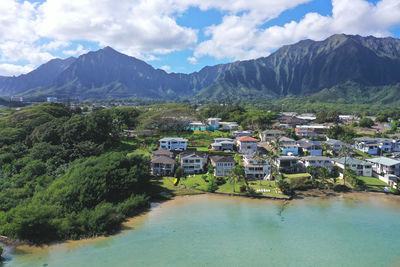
351, 67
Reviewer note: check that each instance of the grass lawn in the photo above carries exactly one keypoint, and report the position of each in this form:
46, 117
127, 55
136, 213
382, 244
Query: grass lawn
373, 183
364, 155
296, 176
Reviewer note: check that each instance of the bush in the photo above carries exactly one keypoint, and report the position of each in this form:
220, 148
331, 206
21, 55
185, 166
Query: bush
212, 186
220, 181
243, 189
341, 188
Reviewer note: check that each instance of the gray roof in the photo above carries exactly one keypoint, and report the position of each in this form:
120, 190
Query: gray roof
163, 159
315, 158
163, 152
223, 159
335, 142
384, 161
187, 153
173, 139
351, 161
272, 131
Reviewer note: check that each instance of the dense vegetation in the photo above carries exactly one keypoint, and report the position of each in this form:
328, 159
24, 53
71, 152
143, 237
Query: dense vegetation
59, 176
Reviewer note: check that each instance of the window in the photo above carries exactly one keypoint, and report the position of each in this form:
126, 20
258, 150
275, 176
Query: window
197, 160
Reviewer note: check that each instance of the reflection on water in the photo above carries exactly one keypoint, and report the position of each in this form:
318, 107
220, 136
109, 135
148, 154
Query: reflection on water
347, 230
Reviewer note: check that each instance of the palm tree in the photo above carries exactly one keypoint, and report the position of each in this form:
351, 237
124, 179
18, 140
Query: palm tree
324, 174
232, 179
344, 152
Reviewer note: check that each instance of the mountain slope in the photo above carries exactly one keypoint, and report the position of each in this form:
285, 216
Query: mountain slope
302, 69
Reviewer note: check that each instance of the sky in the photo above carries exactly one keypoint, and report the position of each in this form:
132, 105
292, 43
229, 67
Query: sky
179, 35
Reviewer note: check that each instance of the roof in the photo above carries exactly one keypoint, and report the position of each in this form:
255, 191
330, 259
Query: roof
201, 154
273, 132
384, 161
246, 139
363, 139
307, 145
163, 152
163, 159
286, 139
287, 158
218, 140
351, 161
223, 159
173, 139
315, 158
335, 142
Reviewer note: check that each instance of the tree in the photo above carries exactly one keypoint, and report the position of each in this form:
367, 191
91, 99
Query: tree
313, 171
382, 117
232, 179
179, 172
344, 152
324, 174
366, 122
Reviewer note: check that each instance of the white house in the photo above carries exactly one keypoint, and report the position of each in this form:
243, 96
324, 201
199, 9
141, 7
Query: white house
383, 165
222, 144
222, 164
367, 145
256, 168
240, 133
246, 144
193, 161
316, 161
362, 168
336, 145
173, 143
229, 126
396, 145
271, 134
385, 144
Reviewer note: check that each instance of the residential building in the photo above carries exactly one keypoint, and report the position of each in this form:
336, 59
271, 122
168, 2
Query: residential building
311, 148
228, 126
288, 146
383, 165
246, 145
193, 161
289, 121
222, 164
307, 116
287, 164
51, 99
162, 166
196, 126
385, 145
362, 168
367, 145
173, 143
316, 161
271, 134
242, 133
336, 145
163, 153
213, 124
256, 168
17, 99
222, 144
396, 145
309, 131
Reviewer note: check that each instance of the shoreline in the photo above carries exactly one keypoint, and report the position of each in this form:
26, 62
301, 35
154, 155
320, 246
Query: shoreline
22, 246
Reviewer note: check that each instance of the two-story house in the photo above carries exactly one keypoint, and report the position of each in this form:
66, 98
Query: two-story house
193, 161
367, 145
222, 144
383, 165
173, 143
385, 145
240, 133
246, 145
316, 161
256, 168
271, 134
222, 164
288, 146
311, 148
213, 124
362, 168
287, 164
336, 145
162, 163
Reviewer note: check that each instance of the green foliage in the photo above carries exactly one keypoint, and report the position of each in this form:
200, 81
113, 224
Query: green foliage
285, 187
366, 123
340, 132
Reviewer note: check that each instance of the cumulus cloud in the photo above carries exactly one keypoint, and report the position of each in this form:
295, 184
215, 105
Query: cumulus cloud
79, 50
241, 37
11, 69
166, 68
192, 60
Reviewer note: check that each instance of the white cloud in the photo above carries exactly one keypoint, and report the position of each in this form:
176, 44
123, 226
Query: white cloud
14, 51
11, 69
192, 60
242, 37
166, 68
79, 50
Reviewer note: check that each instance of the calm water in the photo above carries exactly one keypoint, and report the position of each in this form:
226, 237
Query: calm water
210, 230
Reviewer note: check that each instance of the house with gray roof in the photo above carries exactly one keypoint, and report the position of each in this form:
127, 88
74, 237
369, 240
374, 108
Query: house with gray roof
361, 167
162, 166
222, 164
316, 161
383, 165
193, 161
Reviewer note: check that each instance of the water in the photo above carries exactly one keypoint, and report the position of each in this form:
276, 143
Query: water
209, 230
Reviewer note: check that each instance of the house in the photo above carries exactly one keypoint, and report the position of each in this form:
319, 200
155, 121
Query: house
316, 161
196, 126
222, 164
362, 168
311, 148
213, 124
162, 166
396, 145
240, 133
228, 126
385, 145
222, 144
287, 164
16, 99
367, 145
290, 121
383, 165
246, 145
288, 146
309, 131
173, 143
307, 116
256, 168
271, 134
336, 145
193, 161
163, 153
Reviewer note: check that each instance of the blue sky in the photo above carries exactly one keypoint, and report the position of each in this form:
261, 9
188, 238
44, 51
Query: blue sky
179, 35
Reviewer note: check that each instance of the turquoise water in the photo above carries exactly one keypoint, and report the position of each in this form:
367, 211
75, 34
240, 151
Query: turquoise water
209, 230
